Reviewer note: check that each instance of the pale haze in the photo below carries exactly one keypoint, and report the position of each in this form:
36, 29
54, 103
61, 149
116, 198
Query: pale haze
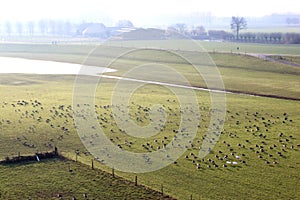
138, 11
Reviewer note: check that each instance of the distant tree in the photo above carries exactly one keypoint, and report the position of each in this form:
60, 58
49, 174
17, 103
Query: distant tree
260, 37
266, 36
19, 27
248, 37
43, 26
30, 25
237, 24
292, 38
8, 28
276, 37
288, 21
292, 21
198, 33
181, 28
172, 32
53, 27
67, 28
218, 35
59, 28
200, 29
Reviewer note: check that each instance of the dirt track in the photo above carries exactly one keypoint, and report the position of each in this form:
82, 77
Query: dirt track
268, 58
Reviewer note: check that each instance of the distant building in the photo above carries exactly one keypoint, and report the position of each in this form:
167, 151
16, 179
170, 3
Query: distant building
100, 31
92, 30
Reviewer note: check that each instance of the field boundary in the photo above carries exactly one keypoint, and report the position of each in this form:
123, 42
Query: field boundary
47, 155
35, 157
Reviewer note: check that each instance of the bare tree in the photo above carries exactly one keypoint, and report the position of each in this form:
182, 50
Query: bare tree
30, 25
52, 27
237, 24
181, 28
8, 28
19, 27
67, 28
43, 26
59, 28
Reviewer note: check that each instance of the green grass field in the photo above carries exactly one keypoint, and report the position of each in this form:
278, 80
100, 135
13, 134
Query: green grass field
212, 46
50, 178
253, 75
256, 128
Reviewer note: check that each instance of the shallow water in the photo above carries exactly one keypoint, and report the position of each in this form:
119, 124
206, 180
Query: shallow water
10, 65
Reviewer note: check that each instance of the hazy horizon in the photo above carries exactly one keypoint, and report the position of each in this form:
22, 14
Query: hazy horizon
141, 13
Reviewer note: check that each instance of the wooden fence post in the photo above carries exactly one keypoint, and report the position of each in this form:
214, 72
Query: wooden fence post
55, 151
136, 181
92, 163
113, 172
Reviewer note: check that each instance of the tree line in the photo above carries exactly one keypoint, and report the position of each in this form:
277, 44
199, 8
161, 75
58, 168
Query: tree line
65, 28
199, 33
256, 37
237, 24
46, 27
33, 28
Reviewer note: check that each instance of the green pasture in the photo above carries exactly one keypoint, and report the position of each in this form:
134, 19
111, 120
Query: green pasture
36, 114
253, 75
264, 175
211, 46
183, 45
55, 179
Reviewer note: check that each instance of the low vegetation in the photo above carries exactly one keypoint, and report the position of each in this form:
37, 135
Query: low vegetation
289, 59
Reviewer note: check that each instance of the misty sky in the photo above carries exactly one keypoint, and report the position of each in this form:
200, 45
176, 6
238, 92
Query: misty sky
138, 11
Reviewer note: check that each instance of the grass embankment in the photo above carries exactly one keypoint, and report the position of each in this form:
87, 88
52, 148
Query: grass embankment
212, 46
291, 59
240, 73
